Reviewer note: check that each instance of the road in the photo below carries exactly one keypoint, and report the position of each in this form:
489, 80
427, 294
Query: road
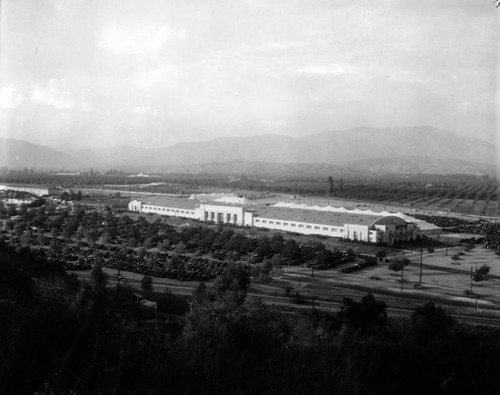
399, 304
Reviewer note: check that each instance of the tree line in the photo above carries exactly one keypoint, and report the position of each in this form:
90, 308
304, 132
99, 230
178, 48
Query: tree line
59, 335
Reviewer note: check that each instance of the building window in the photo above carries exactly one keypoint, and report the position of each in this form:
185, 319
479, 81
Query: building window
325, 228
293, 225
301, 226
285, 223
316, 227
257, 220
278, 223
308, 226
271, 222
264, 221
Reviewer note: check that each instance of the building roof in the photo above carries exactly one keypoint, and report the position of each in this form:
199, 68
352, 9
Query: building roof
316, 217
167, 201
423, 225
222, 204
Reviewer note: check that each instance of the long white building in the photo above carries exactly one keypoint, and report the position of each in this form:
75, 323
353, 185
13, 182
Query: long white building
371, 228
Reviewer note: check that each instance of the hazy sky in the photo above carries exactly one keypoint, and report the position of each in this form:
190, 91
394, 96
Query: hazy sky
153, 73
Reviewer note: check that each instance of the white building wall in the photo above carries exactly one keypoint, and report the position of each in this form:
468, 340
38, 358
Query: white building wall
393, 233
222, 214
299, 227
248, 218
168, 211
135, 206
357, 232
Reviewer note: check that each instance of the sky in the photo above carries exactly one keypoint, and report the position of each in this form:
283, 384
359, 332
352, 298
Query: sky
152, 73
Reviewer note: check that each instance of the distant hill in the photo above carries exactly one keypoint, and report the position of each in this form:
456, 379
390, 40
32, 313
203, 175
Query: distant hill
358, 151
19, 153
331, 147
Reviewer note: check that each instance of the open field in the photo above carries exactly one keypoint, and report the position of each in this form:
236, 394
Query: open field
443, 281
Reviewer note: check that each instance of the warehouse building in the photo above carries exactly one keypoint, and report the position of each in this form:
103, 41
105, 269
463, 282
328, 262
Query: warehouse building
370, 228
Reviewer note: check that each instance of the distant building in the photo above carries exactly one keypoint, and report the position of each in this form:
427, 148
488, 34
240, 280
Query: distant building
372, 228
38, 191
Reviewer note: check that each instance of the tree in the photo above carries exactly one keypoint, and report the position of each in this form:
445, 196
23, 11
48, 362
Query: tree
55, 232
11, 210
66, 232
399, 265
200, 292
263, 247
41, 238
277, 261
79, 234
9, 225
132, 242
164, 245
92, 235
147, 286
381, 255
480, 273
365, 314
98, 279
236, 280
431, 324
19, 228
277, 243
26, 239
181, 247
266, 268
148, 243
331, 186
291, 250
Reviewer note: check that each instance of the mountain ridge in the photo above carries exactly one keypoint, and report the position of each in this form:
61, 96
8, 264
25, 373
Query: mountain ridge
362, 149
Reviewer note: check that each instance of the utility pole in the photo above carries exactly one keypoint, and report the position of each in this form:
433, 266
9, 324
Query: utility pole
402, 275
138, 311
118, 279
420, 278
470, 283
402, 267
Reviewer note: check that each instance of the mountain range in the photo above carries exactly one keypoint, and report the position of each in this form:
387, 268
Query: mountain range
360, 150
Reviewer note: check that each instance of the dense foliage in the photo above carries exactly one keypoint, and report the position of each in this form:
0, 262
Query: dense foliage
60, 336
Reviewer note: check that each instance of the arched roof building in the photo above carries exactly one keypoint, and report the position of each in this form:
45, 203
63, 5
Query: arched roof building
343, 224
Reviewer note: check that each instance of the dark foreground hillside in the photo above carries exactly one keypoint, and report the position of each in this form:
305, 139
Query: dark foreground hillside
59, 336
